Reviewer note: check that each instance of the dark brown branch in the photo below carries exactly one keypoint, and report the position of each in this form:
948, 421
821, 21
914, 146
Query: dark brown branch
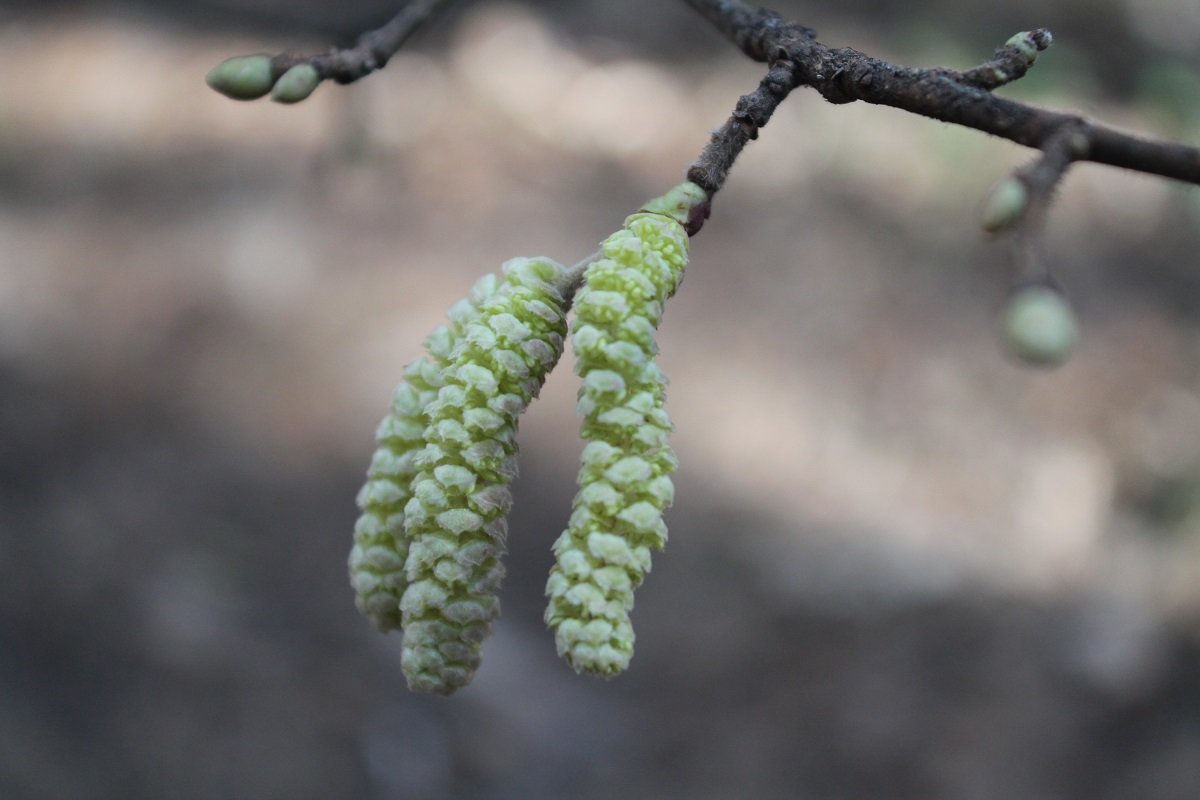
370, 52
753, 111
845, 75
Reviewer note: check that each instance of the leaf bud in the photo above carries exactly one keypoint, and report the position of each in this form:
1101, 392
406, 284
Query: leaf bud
296, 84
1005, 206
243, 77
1038, 326
1030, 43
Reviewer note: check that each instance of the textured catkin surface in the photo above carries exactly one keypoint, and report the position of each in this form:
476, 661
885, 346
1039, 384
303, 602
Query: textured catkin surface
455, 517
624, 479
380, 543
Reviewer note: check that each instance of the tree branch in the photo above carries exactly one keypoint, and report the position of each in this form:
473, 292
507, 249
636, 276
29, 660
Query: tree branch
753, 111
845, 75
370, 52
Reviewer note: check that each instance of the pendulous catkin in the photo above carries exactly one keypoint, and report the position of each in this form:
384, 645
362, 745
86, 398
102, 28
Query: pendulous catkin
455, 518
380, 543
624, 479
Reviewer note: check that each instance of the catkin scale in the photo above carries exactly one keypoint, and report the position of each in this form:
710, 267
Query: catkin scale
455, 517
624, 477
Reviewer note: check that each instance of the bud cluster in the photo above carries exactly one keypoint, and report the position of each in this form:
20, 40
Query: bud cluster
254, 76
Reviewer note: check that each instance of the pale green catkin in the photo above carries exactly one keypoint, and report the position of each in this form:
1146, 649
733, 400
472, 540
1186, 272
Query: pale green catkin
455, 518
380, 543
624, 479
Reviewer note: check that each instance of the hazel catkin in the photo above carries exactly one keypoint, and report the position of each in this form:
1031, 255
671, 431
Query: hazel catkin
381, 545
455, 517
624, 476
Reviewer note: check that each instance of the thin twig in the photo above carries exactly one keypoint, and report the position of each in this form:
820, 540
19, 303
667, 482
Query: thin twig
753, 111
1041, 178
370, 52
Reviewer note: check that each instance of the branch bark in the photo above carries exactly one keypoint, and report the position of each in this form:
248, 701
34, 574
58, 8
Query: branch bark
844, 75
370, 52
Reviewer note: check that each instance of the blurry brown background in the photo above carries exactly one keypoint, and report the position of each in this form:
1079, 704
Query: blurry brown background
900, 566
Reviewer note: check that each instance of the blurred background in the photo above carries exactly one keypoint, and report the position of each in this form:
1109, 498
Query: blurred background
900, 565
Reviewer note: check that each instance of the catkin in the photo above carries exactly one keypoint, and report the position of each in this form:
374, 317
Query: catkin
624, 479
380, 543
455, 517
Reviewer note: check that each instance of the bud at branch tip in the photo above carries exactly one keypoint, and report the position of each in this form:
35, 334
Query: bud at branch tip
296, 84
1038, 326
243, 77
1030, 43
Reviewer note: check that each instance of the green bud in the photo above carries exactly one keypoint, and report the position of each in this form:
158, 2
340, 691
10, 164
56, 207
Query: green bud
1038, 326
1004, 206
1027, 45
296, 84
243, 77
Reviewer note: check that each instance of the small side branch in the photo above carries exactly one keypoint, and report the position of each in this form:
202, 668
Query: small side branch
1010, 63
753, 111
1043, 175
1037, 324
1038, 181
